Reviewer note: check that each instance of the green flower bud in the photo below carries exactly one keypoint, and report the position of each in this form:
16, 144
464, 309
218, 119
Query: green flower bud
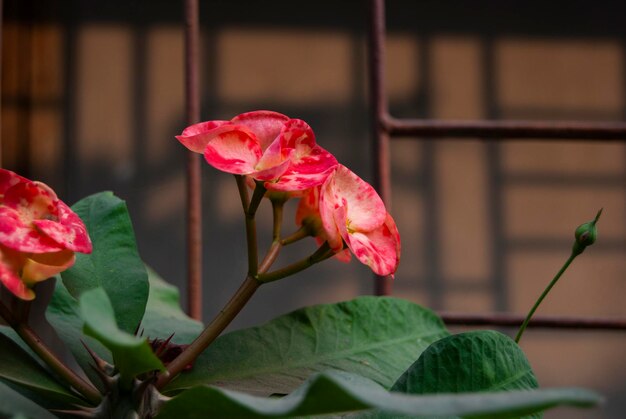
585, 235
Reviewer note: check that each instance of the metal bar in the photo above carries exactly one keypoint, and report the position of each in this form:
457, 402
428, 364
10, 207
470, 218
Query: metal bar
506, 129
546, 322
194, 187
379, 112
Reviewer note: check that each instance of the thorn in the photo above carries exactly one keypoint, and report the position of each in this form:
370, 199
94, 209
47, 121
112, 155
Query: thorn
104, 366
163, 346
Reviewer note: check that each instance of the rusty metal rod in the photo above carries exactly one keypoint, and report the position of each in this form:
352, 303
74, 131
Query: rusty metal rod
546, 322
194, 180
506, 129
379, 110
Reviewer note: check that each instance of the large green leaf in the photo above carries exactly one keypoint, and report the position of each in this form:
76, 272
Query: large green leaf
335, 392
164, 315
114, 264
132, 355
18, 367
15, 405
483, 360
376, 337
63, 313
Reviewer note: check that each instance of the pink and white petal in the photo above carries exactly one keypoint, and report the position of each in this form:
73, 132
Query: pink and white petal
42, 266
271, 173
197, 136
80, 242
18, 235
327, 207
9, 278
266, 125
308, 171
32, 200
8, 179
68, 231
233, 152
377, 249
272, 156
366, 210
297, 135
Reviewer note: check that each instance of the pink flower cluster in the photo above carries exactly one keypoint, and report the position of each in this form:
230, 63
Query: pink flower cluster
38, 234
340, 207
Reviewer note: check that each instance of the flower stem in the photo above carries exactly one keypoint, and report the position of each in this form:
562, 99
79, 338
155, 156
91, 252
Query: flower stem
322, 253
212, 331
303, 232
30, 337
542, 296
274, 250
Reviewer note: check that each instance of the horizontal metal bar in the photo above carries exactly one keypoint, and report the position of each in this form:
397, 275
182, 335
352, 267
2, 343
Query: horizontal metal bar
544, 322
506, 129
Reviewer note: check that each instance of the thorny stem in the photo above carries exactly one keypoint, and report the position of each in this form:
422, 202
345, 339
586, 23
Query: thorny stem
30, 337
322, 253
213, 330
542, 296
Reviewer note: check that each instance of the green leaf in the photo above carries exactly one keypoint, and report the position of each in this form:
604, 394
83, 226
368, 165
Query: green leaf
114, 264
483, 360
164, 315
335, 392
376, 337
132, 355
18, 367
15, 405
63, 313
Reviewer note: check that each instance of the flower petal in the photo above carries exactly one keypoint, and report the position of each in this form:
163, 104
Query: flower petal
17, 235
8, 179
32, 200
328, 208
298, 135
42, 266
365, 209
307, 171
379, 249
68, 231
266, 125
9, 266
235, 151
196, 137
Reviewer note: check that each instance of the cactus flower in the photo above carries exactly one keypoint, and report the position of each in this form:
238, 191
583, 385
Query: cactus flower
265, 145
38, 234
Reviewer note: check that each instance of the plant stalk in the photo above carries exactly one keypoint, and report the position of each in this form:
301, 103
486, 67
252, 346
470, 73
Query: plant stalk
30, 337
322, 253
542, 296
212, 331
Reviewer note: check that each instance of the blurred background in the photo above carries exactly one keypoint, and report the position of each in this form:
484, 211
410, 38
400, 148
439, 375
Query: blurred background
92, 97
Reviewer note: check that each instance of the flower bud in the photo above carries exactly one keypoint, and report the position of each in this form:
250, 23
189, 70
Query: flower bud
585, 235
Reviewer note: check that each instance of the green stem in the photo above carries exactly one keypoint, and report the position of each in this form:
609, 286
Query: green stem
30, 337
303, 232
542, 296
274, 250
212, 331
322, 253
249, 210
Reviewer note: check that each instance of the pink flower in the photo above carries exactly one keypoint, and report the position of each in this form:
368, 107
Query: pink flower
352, 212
38, 234
265, 145
308, 214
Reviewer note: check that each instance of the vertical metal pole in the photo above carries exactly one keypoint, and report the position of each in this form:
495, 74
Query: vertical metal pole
194, 191
379, 112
